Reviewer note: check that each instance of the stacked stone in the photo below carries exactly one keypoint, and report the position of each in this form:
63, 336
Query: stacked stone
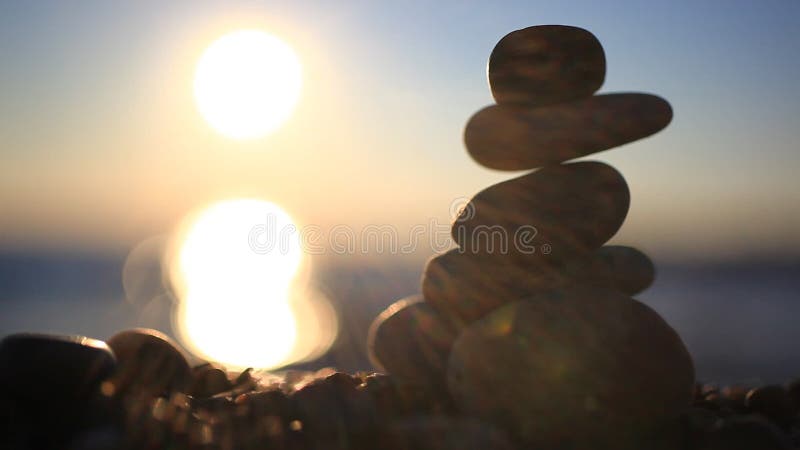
530, 323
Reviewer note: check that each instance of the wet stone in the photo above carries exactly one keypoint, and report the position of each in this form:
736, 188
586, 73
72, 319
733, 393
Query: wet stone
579, 366
554, 214
149, 361
546, 64
517, 138
411, 341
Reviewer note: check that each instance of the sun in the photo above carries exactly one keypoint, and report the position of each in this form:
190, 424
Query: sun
247, 84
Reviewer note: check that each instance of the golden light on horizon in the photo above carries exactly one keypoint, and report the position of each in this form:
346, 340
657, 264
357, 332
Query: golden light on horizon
247, 84
236, 272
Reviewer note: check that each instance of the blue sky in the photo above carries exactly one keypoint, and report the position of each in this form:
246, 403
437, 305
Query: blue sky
101, 146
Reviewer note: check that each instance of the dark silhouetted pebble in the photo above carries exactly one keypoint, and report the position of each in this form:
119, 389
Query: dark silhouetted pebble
207, 380
333, 414
548, 216
546, 64
517, 138
579, 366
393, 398
622, 268
411, 341
773, 402
468, 286
148, 362
746, 433
442, 433
49, 386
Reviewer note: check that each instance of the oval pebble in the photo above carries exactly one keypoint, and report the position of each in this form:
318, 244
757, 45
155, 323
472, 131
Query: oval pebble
546, 64
149, 361
572, 368
52, 383
411, 341
548, 216
622, 268
467, 286
517, 138
207, 380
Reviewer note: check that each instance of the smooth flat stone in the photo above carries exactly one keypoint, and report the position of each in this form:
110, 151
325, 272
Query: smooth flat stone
149, 361
622, 268
546, 64
467, 286
56, 368
516, 138
49, 389
411, 341
547, 216
572, 368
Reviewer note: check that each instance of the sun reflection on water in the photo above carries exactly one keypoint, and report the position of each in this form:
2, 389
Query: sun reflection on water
238, 273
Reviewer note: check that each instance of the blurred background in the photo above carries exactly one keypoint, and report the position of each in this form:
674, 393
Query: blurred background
105, 159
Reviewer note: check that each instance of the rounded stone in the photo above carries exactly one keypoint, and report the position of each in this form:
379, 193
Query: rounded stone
411, 341
622, 268
580, 366
49, 389
546, 64
53, 367
466, 286
517, 138
149, 361
548, 216
207, 380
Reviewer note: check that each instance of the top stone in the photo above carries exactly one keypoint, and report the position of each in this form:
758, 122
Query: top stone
546, 64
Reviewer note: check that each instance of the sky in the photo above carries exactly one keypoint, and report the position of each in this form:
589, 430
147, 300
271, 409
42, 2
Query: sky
101, 145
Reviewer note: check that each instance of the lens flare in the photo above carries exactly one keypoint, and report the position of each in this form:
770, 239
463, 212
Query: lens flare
241, 300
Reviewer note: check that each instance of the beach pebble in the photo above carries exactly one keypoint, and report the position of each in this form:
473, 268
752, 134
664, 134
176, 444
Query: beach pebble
468, 286
411, 341
442, 433
517, 138
622, 268
579, 366
51, 383
773, 402
546, 64
548, 216
149, 361
207, 380
746, 433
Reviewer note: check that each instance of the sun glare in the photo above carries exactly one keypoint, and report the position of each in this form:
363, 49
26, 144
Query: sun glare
247, 83
235, 271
